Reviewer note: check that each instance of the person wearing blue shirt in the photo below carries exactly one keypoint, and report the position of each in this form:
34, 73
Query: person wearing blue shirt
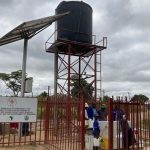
91, 111
96, 127
118, 113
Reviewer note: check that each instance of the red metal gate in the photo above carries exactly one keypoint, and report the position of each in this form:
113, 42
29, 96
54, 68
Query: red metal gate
64, 124
129, 124
60, 124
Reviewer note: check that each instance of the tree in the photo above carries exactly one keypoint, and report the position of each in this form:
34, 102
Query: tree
139, 98
106, 98
12, 81
86, 89
43, 94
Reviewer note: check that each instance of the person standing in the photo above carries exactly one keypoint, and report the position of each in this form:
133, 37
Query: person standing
96, 134
103, 113
86, 115
96, 140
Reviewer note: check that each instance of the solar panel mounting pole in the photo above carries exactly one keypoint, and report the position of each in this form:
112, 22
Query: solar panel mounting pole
24, 61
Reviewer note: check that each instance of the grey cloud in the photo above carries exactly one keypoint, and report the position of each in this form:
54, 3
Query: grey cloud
125, 62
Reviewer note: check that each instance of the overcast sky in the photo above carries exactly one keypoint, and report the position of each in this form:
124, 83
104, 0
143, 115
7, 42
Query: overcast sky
126, 62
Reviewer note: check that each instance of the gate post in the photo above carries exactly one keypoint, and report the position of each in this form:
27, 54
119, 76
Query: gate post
110, 124
82, 119
47, 117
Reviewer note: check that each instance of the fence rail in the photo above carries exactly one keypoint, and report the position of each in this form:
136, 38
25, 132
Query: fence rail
9, 132
60, 124
133, 124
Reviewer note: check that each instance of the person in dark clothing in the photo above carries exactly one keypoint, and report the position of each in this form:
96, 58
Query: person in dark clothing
117, 114
25, 129
96, 127
128, 138
90, 116
94, 110
96, 140
103, 113
90, 112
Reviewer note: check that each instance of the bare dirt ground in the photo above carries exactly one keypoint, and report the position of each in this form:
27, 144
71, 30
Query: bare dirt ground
27, 147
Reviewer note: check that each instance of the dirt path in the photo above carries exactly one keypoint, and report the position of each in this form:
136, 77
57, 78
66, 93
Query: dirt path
27, 147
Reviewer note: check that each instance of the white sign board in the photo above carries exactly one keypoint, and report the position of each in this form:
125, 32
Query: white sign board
17, 109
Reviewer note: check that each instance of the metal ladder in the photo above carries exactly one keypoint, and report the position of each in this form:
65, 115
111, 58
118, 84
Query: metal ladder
99, 91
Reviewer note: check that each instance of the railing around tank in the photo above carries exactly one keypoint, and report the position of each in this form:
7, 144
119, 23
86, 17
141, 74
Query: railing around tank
53, 38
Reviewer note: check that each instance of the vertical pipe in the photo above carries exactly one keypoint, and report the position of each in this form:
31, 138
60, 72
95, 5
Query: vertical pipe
55, 89
69, 80
69, 67
95, 74
69, 63
79, 92
110, 119
24, 62
79, 82
24, 67
55, 72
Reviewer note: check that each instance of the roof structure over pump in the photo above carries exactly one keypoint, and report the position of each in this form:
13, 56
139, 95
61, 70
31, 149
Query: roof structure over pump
28, 29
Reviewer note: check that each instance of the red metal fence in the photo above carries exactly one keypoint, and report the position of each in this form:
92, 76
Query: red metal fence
129, 125
10, 134
65, 124
60, 124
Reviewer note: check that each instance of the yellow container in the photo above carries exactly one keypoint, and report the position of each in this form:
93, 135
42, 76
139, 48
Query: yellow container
106, 144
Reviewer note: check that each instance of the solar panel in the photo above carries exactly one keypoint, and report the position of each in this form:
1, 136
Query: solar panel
28, 29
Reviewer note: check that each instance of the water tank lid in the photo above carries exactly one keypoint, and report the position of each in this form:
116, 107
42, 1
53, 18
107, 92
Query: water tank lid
74, 2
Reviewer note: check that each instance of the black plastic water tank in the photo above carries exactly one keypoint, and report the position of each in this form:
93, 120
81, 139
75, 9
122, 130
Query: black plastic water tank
77, 26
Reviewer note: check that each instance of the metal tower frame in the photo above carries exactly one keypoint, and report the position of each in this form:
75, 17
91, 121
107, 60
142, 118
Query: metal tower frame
78, 59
